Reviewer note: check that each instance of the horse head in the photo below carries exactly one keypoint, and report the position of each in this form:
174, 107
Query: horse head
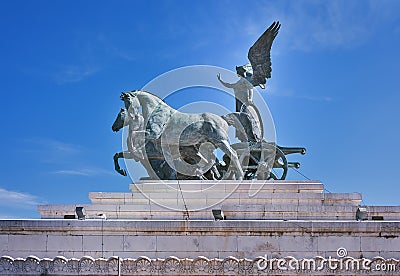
120, 121
130, 99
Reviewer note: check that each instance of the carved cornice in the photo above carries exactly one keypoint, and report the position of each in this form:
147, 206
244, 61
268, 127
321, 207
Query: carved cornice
59, 265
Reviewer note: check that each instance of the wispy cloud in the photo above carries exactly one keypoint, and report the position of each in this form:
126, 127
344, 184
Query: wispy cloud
310, 25
316, 99
63, 158
83, 64
50, 150
54, 145
62, 74
17, 199
272, 91
109, 47
74, 73
71, 172
83, 172
321, 98
335, 24
63, 147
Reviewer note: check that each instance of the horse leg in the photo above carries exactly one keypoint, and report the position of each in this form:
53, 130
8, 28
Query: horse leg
226, 148
123, 154
116, 164
215, 175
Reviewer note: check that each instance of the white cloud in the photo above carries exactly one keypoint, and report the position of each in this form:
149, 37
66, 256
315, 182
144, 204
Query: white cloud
50, 150
54, 145
60, 154
61, 147
83, 172
275, 91
310, 25
17, 199
71, 172
74, 73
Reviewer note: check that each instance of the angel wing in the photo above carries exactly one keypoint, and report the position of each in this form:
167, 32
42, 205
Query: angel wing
260, 58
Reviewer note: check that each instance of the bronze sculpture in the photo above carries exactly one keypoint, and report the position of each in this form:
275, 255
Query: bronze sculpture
175, 145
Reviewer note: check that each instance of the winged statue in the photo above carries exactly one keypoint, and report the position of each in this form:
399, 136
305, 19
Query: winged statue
255, 73
259, 68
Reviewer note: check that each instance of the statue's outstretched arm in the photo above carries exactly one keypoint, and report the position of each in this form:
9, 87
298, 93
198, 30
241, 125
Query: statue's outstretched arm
228, 85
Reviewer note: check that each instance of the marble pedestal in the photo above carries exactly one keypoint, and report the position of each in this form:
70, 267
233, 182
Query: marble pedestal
282, 222
294, 200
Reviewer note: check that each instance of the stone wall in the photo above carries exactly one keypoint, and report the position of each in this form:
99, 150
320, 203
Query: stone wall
276, 223
213, 239
190, 239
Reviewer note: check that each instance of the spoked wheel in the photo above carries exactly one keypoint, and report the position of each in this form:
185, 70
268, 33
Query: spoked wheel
257, 160
280, 168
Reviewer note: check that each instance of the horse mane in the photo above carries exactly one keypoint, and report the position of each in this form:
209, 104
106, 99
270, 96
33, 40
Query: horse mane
157, 115
145, 91
173, 110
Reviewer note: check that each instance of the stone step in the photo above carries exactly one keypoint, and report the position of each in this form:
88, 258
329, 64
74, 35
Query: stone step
124, 212
223, 205
247, 211
236, 197
289, 186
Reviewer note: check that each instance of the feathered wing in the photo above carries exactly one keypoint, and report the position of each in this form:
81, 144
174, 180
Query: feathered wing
259, 55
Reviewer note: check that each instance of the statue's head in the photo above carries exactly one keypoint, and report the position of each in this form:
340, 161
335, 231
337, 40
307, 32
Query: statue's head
245, 71
241, 71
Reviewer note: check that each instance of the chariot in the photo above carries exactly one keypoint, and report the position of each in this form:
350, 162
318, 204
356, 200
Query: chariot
253, 159
175, 145
265, 160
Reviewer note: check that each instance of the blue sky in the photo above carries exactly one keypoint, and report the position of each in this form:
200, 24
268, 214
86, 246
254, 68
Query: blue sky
334, 87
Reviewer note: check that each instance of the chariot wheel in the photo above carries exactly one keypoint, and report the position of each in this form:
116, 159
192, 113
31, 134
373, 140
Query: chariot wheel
256, 159
280, 167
